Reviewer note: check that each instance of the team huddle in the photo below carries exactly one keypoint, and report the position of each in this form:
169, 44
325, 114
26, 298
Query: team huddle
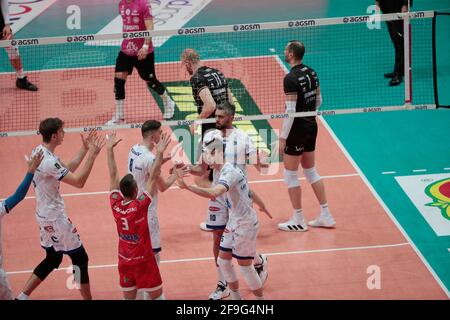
220, 176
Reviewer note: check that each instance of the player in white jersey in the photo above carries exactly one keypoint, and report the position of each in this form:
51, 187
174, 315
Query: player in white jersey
239, 150
58, 235
140, 160
6, 207
239, 237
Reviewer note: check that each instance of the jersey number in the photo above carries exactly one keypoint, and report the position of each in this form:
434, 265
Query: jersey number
124, 224
130, 168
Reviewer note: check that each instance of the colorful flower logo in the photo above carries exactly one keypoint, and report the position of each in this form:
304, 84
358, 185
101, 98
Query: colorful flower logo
439, 192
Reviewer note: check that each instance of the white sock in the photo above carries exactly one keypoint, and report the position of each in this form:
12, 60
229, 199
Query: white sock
257, 260
235, 295
221, 276
324, 211
158, 258
161, 297
119, 108
298, 214
20, 74
22, 296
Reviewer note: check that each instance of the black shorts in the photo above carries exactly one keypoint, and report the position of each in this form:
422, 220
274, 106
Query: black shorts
145, 67
302, 138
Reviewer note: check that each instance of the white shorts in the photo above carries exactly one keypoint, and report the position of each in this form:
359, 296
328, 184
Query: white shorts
240, 239
60, 234
5, 289
153, 227
218, 215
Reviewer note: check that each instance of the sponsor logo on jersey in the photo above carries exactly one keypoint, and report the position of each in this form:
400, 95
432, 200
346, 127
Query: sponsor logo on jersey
49, 229
214, 209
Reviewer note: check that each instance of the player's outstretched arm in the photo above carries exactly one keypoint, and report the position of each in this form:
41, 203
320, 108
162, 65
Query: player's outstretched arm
22, 190
210, 193
79, 179
78, 158
155, 170
260, 203
111, 142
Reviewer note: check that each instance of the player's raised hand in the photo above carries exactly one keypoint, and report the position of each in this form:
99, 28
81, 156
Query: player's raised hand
87, 140
97, 144
35, 161
163, 143
182, 171
112, 140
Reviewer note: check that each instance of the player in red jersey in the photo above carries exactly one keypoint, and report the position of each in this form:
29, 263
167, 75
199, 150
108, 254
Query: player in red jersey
137, 264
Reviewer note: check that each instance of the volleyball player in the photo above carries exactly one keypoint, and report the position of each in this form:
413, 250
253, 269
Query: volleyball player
58, 235
298, 139
22, 81
239, 237
137, 53
6, 206
138, 269
140, 159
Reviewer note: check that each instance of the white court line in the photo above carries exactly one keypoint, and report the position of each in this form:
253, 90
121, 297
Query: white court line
389, 172
420, 170
446, 168
250, 182
384, 246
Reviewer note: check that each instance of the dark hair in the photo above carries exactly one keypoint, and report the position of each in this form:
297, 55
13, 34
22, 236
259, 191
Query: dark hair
128, 185
226, 106
49, 127
150, 126
297, 48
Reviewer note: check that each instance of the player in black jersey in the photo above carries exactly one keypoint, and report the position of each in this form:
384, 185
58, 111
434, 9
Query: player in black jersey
298, 139
209, 87
13, 52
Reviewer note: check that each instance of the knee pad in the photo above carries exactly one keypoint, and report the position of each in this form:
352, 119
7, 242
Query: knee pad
251, 277
311, 175
52, 261
291, 178
119, 88
227, 269
155, 85
80, 262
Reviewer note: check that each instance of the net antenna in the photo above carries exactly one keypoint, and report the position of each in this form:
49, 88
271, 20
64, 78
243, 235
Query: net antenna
407, 56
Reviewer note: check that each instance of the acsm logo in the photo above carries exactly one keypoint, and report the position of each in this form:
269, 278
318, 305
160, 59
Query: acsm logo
247, 27
191, 30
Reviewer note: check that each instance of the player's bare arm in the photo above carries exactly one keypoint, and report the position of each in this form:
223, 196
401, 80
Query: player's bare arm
211, 193
111, 142
143, 52
155, 170
79, 179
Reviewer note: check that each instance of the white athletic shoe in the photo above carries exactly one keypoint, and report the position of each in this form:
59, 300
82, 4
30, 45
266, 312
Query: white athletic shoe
261, 269
323, 222
115, 121
204, 227
169, 108
293, 225
221, 292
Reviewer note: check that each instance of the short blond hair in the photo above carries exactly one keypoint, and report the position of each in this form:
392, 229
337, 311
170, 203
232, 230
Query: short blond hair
190, 55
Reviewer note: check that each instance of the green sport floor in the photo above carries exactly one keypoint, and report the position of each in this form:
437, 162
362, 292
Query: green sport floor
383, 146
